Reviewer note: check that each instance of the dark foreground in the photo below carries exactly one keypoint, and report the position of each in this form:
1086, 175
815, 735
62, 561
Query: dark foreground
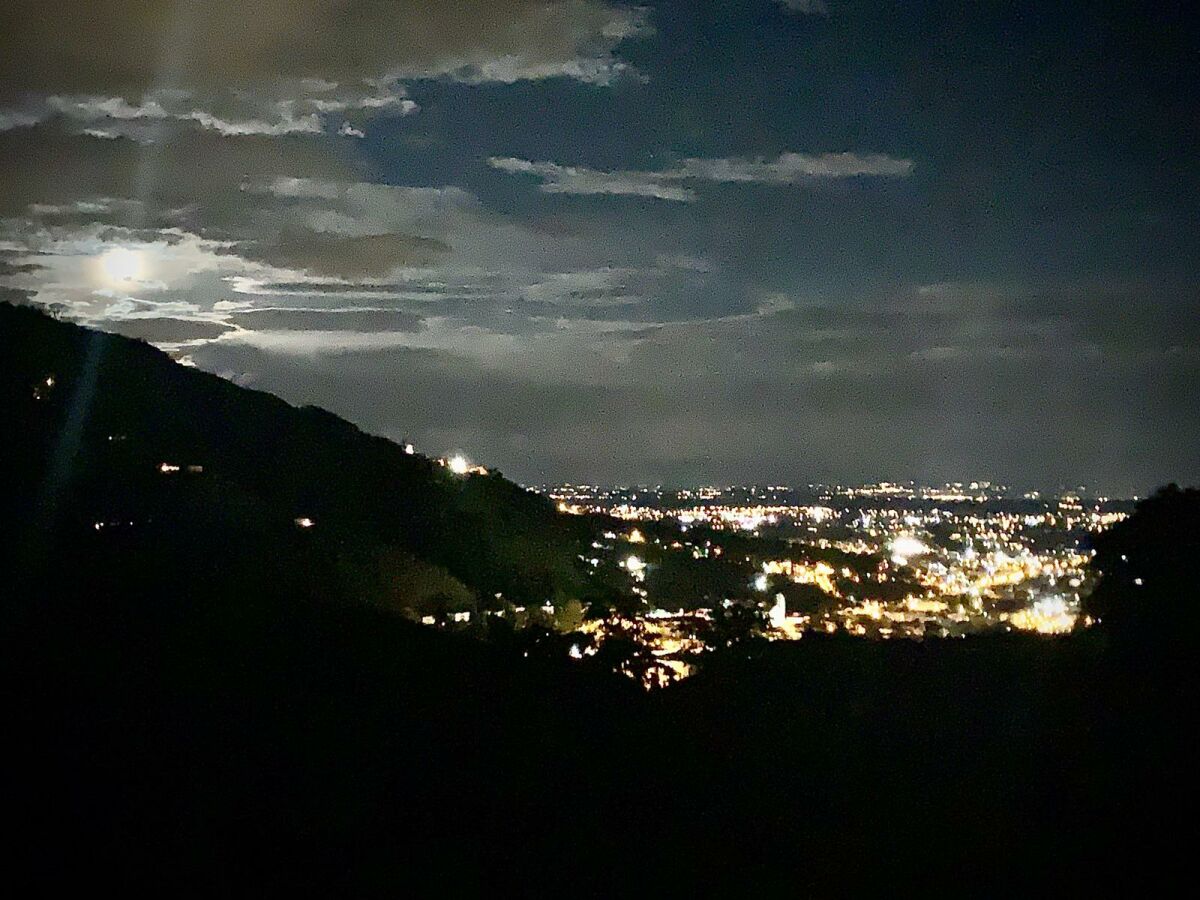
174, 736
200, 695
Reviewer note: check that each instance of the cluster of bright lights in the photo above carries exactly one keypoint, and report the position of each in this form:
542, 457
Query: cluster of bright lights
1050, 615
460, 465
905, 546
942, 566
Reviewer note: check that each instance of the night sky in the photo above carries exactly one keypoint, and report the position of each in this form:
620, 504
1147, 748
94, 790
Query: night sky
779, 241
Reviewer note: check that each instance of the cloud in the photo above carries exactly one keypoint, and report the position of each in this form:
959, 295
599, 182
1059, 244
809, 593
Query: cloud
96, 209
198, 182
606, 286
787, 168
8, 269
17, 118
806, 7
293, 108
743, 400
15, 296
348, 256
288, 123
91, 108
162, 330
189, 174
126, 68
759, 338
790, 168
343, 319
686, 262
129, 47
557, 179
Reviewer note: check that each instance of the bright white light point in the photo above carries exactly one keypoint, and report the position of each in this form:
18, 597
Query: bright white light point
458, 464
905, 547
778, 612
122, 264
760, 583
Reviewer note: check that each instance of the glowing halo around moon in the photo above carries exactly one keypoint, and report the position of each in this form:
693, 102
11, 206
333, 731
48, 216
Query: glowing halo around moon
121, 264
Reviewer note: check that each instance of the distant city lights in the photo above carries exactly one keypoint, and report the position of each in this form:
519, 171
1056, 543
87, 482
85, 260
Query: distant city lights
891, 560
883, 561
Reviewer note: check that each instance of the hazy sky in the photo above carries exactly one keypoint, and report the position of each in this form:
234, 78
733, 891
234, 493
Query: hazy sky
770, 240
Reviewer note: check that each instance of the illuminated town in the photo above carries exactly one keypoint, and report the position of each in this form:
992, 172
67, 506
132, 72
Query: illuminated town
878, 561
875, 561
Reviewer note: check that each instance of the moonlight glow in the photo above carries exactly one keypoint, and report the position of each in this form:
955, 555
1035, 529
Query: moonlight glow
122, 264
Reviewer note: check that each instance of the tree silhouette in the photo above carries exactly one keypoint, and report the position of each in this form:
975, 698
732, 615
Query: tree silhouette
1147, 567
735, 625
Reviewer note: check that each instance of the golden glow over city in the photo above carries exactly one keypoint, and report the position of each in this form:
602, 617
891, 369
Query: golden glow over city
820, 574
1048, 616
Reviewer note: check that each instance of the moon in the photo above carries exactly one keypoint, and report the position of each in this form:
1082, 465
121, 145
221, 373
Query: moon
122, 264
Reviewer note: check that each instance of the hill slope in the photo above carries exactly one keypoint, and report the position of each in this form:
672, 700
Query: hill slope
194, 693
95, 417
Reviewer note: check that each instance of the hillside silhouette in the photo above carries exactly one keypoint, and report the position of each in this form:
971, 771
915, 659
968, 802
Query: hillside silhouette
99, 417
203, 695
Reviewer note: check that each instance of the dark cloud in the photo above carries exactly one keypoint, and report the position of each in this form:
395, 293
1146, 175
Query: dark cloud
787, 168
379, 288
9, 268
365, 320
190, 176
347, 256
130, 46
984, 321
15, 296
806, 7
729, 407
1133, 318
165, 330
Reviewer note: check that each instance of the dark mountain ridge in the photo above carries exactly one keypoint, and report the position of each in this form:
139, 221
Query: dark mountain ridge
99, 417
